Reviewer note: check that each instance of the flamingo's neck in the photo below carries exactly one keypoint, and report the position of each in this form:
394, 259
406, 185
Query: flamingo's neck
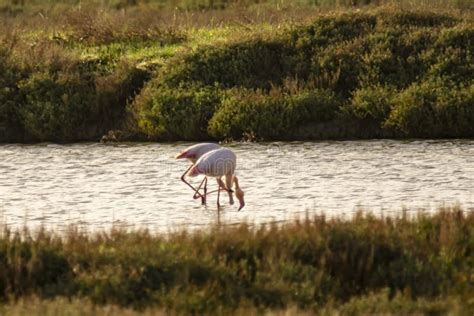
239, 193
236, 183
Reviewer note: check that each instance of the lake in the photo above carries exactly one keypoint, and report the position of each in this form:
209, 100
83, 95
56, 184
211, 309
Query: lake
138, 184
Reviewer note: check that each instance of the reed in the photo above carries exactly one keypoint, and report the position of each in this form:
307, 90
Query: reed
365, 264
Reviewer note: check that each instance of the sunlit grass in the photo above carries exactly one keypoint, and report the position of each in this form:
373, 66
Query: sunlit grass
373, 304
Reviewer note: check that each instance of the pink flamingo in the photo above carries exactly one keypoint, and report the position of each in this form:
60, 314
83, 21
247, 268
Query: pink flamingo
193, 153
220, 163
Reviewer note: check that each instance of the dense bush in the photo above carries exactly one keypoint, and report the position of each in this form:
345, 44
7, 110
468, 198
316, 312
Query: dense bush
392, 57
270, 116
348, 66
372, 103
113, 91
10, 126
451, 56
435, 109
254, 64
56, 108
52, 96
259, 63
347, 70
307, 263
180, 113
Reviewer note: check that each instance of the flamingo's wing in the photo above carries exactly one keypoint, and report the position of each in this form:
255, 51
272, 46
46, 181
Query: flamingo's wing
217, 163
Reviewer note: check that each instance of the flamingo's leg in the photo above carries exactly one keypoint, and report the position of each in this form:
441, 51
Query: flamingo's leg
221, 187
228, 184
218, 193
196, 192
203, 198
221, 184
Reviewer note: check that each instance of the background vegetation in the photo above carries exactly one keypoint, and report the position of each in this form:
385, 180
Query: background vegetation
195, 70
398, 265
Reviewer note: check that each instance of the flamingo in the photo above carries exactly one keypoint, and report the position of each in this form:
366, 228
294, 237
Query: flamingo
193, 153
220, 163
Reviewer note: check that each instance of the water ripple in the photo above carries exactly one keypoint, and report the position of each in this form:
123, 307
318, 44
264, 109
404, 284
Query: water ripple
138, 184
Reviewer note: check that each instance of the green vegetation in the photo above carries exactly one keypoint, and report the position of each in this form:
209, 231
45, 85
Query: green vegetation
366, 264
311, 70
406, 74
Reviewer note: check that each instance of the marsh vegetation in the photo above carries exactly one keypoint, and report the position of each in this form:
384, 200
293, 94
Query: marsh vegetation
195, 70
366, 264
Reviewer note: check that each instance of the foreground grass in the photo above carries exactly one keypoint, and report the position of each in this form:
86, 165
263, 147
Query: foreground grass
363, 265
374, 304
249, 71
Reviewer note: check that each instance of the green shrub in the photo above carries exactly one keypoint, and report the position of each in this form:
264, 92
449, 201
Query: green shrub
361, 60
76, 105
252, 64
453, 65
248, 112
372, 103
112, 94
325, 31
10, 125
57, 107
459, 36
261, 63
394, 57
434, 109
61, 87
272, 115
337, 68
180, 113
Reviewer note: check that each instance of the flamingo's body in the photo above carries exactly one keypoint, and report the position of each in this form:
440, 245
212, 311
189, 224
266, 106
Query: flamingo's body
220, 163
193, 153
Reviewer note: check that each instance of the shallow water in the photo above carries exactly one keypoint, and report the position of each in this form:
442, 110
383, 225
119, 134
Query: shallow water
95, 185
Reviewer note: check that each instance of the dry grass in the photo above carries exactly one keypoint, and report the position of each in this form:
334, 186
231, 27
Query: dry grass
366, 264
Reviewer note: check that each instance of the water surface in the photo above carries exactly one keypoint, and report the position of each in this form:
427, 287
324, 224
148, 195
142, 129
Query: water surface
97, 185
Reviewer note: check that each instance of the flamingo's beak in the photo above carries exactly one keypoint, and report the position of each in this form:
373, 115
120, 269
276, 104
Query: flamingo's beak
181, 155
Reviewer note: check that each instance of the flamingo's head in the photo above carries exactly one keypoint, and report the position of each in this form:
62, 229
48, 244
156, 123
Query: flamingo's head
239, 194
187, 155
